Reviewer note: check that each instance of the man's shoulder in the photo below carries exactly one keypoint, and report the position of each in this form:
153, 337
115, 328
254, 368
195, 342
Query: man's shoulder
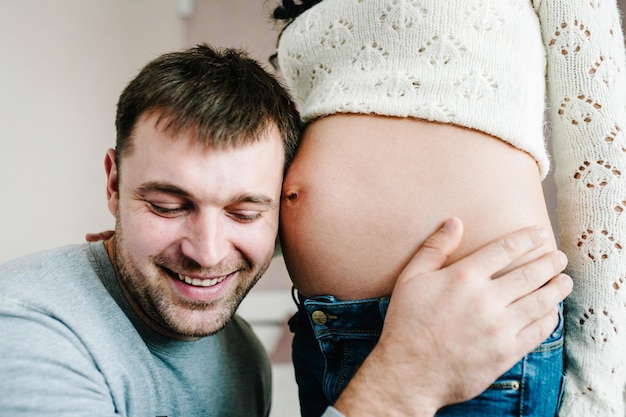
53, 277
67, 339
49, 260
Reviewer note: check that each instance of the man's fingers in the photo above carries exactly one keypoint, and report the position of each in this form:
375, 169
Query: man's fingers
533, 335
501, 253
527, 278
433, 253
532, 307
95, 237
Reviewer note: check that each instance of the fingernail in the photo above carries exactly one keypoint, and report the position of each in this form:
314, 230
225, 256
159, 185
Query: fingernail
450, 224
568, 281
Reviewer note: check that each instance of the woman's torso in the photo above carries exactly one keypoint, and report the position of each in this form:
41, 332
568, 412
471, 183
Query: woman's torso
365, 191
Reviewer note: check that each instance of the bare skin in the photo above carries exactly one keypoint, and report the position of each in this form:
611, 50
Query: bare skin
365, 191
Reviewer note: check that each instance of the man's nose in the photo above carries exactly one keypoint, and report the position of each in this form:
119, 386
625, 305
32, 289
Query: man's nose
206, 240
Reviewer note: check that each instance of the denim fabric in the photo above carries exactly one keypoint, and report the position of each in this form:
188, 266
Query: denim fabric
332, 338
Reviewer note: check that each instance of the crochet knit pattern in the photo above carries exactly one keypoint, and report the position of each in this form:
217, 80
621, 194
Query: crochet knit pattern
587, 99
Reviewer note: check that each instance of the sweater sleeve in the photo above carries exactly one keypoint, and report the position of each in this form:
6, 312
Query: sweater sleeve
586, 90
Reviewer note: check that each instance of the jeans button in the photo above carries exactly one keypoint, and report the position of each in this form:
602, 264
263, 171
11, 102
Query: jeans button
319, 317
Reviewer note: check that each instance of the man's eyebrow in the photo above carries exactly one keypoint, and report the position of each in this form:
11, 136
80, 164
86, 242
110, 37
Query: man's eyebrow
162, 187
260, 199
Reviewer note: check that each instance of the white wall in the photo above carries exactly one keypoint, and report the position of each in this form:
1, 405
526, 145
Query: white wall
63, 64
235, 23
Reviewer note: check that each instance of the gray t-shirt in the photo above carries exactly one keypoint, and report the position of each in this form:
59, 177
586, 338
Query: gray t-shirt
70, 345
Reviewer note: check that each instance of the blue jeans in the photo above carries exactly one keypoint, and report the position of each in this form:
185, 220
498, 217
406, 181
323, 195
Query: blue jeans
332, 338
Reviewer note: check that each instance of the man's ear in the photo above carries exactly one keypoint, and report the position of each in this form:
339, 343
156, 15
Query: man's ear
110, 168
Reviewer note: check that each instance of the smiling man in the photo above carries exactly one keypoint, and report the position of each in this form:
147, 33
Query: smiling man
144, 324
195, 228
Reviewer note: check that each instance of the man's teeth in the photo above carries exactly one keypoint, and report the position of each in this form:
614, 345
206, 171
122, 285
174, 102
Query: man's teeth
197, 282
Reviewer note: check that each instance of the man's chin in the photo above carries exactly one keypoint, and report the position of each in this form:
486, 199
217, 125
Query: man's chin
189, 324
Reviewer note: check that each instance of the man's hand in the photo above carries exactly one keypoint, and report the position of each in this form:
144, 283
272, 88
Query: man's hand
95, 237
449, 333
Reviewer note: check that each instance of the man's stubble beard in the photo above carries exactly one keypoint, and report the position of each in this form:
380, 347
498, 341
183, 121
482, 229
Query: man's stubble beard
150, 301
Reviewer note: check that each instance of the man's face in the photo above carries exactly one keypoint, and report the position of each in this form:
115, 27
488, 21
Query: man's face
195, 227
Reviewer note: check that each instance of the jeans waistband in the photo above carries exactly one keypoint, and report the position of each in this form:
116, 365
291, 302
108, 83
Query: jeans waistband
327, 313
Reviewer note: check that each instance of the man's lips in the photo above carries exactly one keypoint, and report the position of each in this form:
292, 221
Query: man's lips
202, 282
198, 287
198, 281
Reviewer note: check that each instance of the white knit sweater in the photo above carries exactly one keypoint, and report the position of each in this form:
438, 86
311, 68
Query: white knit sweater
482, 64
587, 99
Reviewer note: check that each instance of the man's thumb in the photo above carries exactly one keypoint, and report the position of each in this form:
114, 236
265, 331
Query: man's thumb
434, 252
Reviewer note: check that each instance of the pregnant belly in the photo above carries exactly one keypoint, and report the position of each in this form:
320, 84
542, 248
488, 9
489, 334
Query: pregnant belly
364, 192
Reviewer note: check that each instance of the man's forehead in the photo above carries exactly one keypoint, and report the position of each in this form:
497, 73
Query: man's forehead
166, 125
179, 165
